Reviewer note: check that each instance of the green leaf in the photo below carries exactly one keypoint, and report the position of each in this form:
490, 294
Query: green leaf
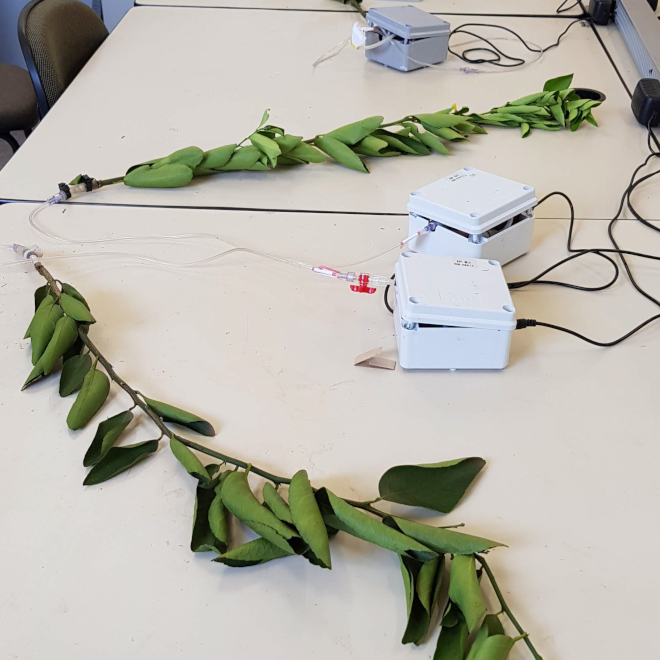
265, 117
75, 309
524, 130
374, 147
74, 293
288, 142
348, 519
307, 517
40, 294
403, 143
167, 176
558, 84
35, 376
558, 114
442, 541
64, 336
491, 626
267, 146
92, 396
215, 158
218, 516
43, 325
242, 159
527, 100
590, 119
452, 641
190, 157
119, 459
241, 502
464, 590
340, 152
275, 502
174, 415
190, 462
496, 647
353, 133
73, 373
107, 434
203, 539
419, 581
445, 133
255, 552
308, 153
439, 486
520, 110
432, 142
440, 120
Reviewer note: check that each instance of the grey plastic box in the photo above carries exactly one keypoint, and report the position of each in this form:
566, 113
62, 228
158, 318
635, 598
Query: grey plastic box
420, 38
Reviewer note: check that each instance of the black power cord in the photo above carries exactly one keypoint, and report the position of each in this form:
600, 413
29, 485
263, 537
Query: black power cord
498, 55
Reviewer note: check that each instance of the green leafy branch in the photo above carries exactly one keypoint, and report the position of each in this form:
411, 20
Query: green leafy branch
301, 524
270, 147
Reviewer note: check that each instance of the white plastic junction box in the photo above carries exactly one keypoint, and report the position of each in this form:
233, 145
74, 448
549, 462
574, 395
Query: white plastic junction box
475, 214
452, 313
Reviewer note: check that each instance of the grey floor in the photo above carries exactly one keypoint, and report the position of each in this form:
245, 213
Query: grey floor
5, 149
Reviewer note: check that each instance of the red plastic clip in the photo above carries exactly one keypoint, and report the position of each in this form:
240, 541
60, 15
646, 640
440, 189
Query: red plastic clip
363, 286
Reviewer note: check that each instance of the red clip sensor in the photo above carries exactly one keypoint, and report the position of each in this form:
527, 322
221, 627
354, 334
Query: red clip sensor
363, 286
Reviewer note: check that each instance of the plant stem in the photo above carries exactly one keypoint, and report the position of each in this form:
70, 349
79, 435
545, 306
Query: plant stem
109, 182
505, 608
365, 506
137, 399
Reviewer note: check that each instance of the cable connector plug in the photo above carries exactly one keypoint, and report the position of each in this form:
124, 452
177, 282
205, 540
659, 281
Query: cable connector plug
525, 323
28, 253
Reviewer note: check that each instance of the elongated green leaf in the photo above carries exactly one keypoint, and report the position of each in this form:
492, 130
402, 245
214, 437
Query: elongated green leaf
174, 415
438, 486
440, 120
419, 582
432, 142
75, 309
108, 432
496, 647
527, 100
215, 158
64, 336
43, 326
308, 153
340, 152
203, 538
374, 147
452, 641
446, 133
40, 294
255, 552
287, 142
74, 293
119, 459
353, 521
73, 373
464, 590
35, 376
241, 502
265, 117
267, 146
443, 541
242, 159
275, 502
190, 462
524, 130
558, 84
520, 110
403, 143
353, 133
218, 515
558, 114
167, 176
92, 396
307, 517
491, 626
190, 157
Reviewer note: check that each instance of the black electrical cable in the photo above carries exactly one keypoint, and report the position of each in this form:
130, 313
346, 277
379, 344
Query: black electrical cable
562, 9
385, 299
497, 54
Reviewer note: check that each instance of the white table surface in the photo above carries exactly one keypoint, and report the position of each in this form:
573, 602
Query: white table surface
169, 77
481, 7
265, 351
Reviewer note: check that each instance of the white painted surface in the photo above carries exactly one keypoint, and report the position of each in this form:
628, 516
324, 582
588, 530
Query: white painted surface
168, 78
266, 352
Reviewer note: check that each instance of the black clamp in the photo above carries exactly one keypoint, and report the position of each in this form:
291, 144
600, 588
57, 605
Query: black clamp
89, 182
64, 188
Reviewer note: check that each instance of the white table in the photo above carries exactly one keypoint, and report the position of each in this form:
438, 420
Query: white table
170, 77
480, 7
266, 352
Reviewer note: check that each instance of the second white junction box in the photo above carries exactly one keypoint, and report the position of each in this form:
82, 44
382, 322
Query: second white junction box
475, 214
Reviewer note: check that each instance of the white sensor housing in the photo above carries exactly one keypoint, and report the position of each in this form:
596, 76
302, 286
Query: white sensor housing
452, 313
478, 215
